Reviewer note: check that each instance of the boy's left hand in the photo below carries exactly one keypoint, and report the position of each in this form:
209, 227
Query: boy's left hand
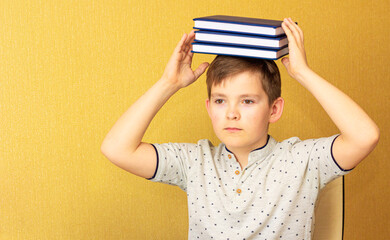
296, 63
358, 132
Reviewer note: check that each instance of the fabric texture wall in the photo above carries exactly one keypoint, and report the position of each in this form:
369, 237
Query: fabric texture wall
69, 69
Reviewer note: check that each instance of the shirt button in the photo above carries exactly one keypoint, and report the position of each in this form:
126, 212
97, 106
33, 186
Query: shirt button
229, 156
237, 172
238, 191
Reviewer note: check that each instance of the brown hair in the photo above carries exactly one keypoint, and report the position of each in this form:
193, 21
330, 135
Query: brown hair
223, 67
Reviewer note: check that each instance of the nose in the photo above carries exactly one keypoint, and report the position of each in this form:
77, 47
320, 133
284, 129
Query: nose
233, 113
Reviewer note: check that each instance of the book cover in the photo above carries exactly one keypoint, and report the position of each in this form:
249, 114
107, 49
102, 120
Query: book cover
241, 39
246, 25
220, 49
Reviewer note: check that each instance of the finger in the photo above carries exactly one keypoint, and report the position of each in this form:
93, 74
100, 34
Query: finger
293, 30
189, 40
298, 35
180, 44
189, 55
201, 69
286, 62
189, 52
297, 28
290, 36
192, 34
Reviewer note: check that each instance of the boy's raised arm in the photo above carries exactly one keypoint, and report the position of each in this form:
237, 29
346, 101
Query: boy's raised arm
123, 144
359, 134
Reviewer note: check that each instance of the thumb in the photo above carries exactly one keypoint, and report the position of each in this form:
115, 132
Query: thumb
286, 62
200, 70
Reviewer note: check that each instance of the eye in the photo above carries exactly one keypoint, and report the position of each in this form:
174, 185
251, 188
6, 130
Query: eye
247, 101
219, 101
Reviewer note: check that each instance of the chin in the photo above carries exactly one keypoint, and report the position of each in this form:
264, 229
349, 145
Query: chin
234, 143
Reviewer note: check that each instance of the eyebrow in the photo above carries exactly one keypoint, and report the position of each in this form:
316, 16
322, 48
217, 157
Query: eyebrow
214, 95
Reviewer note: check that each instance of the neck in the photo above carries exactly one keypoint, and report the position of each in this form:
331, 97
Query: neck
243, 154
242, 159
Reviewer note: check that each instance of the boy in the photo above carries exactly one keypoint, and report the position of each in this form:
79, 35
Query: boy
250, 186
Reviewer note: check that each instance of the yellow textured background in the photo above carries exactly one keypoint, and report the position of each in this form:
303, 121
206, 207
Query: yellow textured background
69, 69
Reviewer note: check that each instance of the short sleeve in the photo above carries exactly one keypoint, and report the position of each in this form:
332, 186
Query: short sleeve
172, 163
320, 163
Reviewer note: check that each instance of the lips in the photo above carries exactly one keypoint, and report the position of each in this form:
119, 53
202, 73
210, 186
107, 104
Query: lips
232, 129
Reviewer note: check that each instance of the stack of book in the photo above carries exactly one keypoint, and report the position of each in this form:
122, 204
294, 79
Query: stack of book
240, 36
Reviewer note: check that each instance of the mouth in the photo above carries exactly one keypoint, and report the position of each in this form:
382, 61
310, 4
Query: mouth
232, 129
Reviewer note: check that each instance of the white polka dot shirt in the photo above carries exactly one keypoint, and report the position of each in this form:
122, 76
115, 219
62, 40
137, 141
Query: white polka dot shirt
273, 197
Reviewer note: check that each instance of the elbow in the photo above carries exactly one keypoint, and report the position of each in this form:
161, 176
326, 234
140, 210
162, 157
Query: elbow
365, 140
375, 137
371, 139
103, 150
115, 155
107, 151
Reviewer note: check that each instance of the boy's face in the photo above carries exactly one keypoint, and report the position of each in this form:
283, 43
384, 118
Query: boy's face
240, 112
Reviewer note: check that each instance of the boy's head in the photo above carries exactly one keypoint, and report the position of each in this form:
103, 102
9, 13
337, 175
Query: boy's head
267, 71
244, 97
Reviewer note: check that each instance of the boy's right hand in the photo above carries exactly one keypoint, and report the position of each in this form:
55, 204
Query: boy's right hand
178, 70
123, 145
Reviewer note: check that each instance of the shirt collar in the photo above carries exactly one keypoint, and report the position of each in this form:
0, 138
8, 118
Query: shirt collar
262, 153
259, 154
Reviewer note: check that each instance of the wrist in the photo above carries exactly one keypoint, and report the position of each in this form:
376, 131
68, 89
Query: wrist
168, 85
303, 74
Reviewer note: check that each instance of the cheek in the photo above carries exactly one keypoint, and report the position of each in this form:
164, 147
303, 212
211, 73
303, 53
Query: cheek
216, 115
215, 118
257, 116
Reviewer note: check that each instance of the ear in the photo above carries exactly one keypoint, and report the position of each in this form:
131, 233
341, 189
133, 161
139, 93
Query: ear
208, 106
276, 110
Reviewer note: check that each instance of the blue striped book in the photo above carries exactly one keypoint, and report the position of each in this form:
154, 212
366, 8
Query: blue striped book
243, 25
241, 39
234, 50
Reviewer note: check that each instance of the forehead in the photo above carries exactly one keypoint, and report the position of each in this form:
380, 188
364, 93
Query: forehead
240, 84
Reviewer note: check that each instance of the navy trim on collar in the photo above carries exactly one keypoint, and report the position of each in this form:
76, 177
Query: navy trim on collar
262, 146
227, 149
252, 150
